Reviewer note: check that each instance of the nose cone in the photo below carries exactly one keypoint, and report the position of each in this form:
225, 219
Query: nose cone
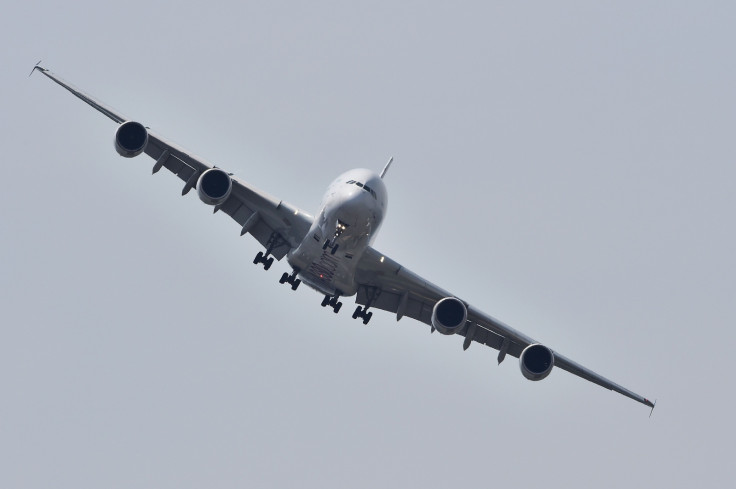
359, 202
356, 208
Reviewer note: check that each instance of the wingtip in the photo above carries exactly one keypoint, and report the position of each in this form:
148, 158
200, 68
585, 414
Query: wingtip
37, 67
652, 404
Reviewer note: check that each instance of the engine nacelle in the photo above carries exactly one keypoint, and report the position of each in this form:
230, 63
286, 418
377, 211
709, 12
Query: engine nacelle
214, 186
449, 315
536, 361
131, 139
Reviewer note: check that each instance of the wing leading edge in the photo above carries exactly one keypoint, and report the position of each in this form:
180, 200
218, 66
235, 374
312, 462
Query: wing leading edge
277, 225
386, 285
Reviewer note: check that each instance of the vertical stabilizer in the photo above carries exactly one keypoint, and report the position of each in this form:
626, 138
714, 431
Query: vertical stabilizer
385, 168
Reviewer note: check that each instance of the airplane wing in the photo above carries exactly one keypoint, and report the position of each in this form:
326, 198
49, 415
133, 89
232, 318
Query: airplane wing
277, 225
386, 285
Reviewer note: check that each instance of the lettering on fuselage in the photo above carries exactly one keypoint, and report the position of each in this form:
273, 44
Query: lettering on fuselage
324, 268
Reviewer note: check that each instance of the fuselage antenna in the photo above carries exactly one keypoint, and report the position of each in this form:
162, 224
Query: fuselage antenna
385, 168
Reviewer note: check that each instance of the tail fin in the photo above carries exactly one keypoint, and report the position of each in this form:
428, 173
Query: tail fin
385, 168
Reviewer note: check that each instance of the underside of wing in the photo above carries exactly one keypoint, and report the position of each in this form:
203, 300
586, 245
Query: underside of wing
277, 225
386, 285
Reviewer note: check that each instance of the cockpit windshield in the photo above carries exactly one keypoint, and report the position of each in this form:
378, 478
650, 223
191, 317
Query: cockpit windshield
364, 187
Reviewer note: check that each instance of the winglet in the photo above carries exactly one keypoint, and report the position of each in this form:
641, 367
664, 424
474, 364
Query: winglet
37, 67
653, 406
385, 168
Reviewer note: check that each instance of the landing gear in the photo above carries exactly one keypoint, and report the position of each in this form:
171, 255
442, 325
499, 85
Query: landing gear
274, 241
333, 302
290, 279
363, 314
369, 296
332, 244
333, 248
265, 259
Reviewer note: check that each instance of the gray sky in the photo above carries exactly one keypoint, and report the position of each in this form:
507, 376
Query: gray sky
566, 167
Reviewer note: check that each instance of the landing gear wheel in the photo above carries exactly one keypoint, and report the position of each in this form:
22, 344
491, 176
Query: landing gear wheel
267, 263
363, 314
258, 259
333, 301
291, 279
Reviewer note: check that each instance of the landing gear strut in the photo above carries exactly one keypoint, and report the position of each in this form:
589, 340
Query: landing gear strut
363, 314
273, 242
333, 302
332, 243
291, 279
371, 295
333, 248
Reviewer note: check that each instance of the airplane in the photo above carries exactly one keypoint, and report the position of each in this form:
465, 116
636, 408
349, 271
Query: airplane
332, 252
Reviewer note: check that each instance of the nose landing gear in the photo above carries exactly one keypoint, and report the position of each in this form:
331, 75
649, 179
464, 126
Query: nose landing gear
333, 247
340, 228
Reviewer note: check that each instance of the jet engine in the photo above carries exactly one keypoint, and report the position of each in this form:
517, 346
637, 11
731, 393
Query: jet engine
449, 315
214, 186
536, 361
131, 139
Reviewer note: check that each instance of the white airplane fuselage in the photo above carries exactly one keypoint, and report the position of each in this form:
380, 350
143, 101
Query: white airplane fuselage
350, 215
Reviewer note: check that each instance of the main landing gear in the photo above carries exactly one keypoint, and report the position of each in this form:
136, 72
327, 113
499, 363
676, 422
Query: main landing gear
332, 301
265, 259
290, 279
371, 295
363, 314
273, 242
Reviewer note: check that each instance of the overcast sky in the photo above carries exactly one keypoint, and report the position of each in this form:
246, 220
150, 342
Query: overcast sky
567, 167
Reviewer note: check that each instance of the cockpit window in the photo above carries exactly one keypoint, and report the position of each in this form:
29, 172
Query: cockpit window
364, 187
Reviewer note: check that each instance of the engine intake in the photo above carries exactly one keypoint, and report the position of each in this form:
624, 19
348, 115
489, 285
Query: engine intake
536, 361
449, 315
131, 139
214, 186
